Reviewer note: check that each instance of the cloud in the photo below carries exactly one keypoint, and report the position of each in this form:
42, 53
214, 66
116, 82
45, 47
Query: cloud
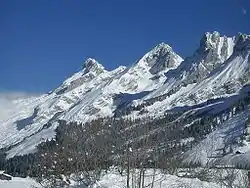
16, 95
244, 11
6, 102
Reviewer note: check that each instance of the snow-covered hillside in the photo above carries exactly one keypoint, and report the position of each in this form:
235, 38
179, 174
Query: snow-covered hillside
224, 145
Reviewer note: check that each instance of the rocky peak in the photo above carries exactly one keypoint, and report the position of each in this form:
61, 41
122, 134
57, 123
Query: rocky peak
91, 65
161, 58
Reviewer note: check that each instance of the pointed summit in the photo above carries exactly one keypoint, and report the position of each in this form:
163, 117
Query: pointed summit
91, 65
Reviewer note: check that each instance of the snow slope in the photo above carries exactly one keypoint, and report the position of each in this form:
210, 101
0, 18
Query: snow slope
220, 147
20, 109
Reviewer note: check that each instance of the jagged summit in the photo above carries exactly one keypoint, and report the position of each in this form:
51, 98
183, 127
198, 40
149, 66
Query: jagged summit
216, 46
213, 51
91, 65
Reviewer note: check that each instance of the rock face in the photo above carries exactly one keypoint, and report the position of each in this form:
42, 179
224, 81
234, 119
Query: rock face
161, 80
216, 47
213, 51
162, 57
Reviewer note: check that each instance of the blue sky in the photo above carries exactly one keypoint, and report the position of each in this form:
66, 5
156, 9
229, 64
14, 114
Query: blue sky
43, 42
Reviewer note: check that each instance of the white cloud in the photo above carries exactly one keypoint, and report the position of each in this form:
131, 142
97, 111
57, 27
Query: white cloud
6, 102
15, 95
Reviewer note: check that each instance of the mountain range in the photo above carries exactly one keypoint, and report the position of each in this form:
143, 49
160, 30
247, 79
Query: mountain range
211, 84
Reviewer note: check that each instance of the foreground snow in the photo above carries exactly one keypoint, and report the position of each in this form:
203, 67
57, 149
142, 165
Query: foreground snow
19, 183
114, 180
183, 178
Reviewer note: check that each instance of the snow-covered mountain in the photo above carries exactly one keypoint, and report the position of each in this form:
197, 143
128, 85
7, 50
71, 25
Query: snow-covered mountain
156, 84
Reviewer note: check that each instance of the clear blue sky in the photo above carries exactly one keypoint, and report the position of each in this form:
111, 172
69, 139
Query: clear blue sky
42, 42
